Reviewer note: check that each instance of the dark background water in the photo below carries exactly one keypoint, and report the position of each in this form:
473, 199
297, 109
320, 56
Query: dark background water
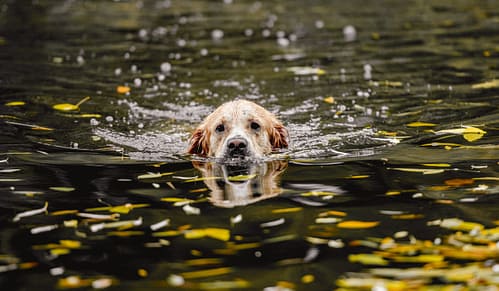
361, 154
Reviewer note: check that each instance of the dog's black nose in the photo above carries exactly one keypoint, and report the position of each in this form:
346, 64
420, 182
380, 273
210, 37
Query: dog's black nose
237, 146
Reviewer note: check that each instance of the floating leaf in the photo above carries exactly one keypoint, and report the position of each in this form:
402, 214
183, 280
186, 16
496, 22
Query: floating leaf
70, 107
123, 89
202, 179
306, 71
472, 134
419, 259
31, 212
486, 85
420, 124
469, 133
332, 212
329, 100
458, 224
62, 189
287, 210
355, 224
422, 171
191, 210
45, 228
154, 175
215, 233
15, 103
317, 193
367, 259
459, 182
436, 165
241, 178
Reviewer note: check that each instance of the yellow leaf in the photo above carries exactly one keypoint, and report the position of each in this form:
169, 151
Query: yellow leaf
125, 233
437, 165
287, 210
215, 233
59, 251
241, 178
367, 259
358, 177
307, 279
15, 103
206, 273
176, 200
419, 259
317, 193
420, 124
70, 107
458, 224
329, 99
62, 189
472, 134
202, 179
70, 244
123, 89
355, 224
306, 71
407, 216
486, 85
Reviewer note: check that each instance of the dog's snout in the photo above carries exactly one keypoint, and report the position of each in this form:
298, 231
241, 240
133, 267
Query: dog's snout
237, 146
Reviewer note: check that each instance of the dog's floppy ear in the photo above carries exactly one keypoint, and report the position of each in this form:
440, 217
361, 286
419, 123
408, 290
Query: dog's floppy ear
198, 143
279, 136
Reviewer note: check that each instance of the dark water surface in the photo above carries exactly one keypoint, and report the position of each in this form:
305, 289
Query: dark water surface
390, 183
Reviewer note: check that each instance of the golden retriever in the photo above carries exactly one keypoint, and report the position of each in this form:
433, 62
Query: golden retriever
238, 129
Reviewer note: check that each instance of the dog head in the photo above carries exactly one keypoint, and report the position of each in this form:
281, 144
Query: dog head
238, 129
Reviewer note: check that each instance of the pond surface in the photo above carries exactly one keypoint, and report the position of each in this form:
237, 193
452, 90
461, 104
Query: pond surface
390, 182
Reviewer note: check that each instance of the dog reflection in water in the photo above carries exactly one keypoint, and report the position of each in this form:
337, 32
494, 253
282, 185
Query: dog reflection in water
241, 184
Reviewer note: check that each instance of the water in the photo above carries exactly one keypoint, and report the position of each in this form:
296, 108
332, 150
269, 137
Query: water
390, 181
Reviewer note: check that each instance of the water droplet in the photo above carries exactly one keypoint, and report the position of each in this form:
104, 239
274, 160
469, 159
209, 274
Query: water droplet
80, 60
349, 33
181, 42
94, 122
217, 34
117, 71
284, 42
248, 32
166, 67
319, 24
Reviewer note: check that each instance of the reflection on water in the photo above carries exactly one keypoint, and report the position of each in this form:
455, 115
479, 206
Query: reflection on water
239, 185
390, 181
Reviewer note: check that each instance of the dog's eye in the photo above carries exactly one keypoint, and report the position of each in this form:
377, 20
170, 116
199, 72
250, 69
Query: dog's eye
220, 128
255, 126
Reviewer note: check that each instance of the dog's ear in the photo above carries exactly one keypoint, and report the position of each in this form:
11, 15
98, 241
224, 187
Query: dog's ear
279, 136
198, 143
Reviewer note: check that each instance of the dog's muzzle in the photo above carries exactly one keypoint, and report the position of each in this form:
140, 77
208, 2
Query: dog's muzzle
237, 147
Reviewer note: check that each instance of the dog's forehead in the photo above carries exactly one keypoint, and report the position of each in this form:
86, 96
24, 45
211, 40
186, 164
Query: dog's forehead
240, 110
